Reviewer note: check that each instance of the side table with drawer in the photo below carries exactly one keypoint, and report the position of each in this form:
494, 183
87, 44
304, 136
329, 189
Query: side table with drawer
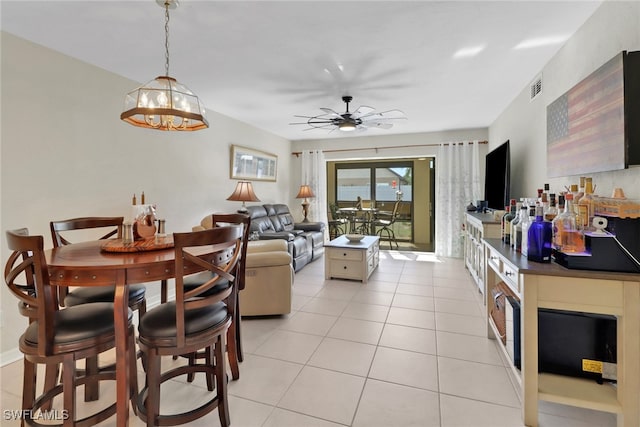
351, 260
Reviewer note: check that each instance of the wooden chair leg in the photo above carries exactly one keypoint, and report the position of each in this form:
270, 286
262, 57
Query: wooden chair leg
191, 361
232, 351
238, 335
69, 390
209, 362
91, 388
153, 380
51, 375
133, 372
221, 381
28, 388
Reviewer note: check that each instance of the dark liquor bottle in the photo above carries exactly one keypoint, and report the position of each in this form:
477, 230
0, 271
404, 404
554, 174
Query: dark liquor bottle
539, 239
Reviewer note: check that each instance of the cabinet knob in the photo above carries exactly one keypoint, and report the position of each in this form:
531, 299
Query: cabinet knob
345, 267
508, 273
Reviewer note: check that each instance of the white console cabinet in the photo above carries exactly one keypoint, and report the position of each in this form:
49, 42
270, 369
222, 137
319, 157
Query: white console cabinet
552, 286
478, 226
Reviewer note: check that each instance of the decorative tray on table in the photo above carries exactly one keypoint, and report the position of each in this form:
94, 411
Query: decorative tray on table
152, 244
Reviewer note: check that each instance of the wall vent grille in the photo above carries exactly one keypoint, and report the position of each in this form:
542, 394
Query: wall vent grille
535, 88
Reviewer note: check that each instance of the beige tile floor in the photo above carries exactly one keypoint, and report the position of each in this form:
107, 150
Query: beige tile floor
407, 349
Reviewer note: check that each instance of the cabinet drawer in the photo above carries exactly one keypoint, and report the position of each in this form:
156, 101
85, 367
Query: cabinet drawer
511, 277
346, 254
494, 259
346, 269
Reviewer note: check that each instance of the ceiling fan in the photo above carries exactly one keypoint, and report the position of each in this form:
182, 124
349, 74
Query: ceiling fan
361, 119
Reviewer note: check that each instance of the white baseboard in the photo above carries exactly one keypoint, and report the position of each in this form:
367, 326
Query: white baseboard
10, 356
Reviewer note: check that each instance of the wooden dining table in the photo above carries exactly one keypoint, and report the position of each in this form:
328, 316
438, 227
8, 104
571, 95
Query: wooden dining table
87, 264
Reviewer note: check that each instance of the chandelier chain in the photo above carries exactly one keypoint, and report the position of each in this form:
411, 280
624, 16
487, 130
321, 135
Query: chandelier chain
166, 38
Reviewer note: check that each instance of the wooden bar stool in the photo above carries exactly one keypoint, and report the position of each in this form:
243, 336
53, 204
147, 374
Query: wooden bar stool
58, 336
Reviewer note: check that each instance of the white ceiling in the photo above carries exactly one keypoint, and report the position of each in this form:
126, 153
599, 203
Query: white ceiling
262, 62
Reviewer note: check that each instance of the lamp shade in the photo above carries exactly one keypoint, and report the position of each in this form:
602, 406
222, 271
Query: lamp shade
243, 193
164, 104
305, 192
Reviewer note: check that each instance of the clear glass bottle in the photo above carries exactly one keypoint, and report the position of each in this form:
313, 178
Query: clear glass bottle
502, 222
577, 195
552, 211
567, 233
507, 222
585, 206
523, 215
530, 217
514, 223
539, 239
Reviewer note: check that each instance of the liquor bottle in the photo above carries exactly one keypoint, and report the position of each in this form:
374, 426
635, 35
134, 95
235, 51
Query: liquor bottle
567, 234
523, 216
514, 223
585, 208
531, 216
539, 239
507, 222
545, 196
556, 242
502, 221
579, 192
552, 211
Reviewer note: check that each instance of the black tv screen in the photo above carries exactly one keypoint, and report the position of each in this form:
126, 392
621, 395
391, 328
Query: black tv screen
496, 177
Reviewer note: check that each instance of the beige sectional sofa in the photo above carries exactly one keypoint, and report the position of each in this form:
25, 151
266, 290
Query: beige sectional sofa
269, 276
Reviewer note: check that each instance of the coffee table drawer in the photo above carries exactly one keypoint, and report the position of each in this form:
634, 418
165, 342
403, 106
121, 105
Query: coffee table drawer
346, 254
346, 269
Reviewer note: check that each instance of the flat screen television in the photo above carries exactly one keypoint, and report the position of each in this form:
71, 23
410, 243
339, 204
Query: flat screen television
496, 177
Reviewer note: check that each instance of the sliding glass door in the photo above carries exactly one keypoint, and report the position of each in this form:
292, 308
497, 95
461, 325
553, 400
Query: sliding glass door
378, 185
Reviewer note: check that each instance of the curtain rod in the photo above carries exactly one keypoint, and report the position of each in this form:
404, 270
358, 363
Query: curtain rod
297, 153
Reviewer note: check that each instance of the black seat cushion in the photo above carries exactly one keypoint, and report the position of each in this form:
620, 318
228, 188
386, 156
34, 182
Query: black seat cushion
160, 322
88, 294
75, 324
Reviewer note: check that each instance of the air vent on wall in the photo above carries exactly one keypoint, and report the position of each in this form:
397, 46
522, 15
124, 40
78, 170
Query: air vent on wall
535, 88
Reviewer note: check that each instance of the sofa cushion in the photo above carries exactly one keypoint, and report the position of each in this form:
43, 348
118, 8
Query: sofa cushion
284, 216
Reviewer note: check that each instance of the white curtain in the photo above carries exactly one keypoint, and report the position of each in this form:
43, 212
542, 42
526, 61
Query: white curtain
457, 184
314, 174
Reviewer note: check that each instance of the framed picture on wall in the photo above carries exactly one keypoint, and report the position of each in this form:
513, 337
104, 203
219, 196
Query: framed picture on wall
251, 164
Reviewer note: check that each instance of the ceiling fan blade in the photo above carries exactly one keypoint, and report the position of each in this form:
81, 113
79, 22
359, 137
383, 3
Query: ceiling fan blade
377, 124
318, 127
362, 111
393, 114
330, 112
385, 115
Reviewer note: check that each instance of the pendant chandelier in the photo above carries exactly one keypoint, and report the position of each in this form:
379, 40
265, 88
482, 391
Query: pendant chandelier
163, 103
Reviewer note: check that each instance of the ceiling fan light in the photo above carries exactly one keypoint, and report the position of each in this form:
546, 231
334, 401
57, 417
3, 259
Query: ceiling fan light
347, 126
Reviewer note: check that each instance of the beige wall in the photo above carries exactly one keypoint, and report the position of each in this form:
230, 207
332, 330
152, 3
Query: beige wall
66, 153
614, 27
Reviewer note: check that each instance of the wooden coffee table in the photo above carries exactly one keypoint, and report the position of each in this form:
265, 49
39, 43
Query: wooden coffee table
351, 260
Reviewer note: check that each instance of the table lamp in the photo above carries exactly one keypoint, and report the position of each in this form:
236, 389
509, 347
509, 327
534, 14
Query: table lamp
243, 193
304, 193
